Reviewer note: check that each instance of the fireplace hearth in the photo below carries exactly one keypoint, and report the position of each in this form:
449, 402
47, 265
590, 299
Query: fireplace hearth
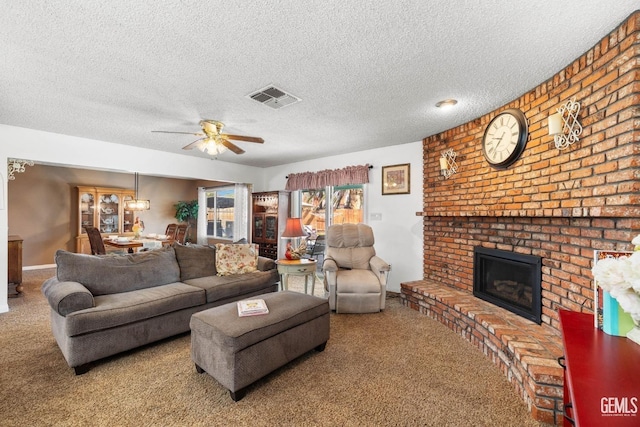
509, 280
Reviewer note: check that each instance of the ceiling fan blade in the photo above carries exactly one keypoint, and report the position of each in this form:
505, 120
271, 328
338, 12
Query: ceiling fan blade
194, 144
243, 138
182, 133
231, 146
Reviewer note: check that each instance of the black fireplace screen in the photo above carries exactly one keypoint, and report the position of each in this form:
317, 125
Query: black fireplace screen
509, 280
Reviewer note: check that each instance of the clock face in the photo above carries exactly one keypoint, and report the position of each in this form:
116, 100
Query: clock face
505, 138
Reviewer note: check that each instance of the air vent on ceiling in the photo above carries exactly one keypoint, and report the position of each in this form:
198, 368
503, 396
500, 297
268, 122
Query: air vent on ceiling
273, 97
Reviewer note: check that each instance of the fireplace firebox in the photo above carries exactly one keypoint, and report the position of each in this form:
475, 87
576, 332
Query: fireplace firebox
509, 280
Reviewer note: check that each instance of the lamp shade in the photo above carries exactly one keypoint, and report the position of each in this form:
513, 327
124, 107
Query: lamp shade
444, 165
293, 229
555, 124
137, 205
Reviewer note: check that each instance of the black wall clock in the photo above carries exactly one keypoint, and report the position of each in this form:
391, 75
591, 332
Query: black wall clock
505, 138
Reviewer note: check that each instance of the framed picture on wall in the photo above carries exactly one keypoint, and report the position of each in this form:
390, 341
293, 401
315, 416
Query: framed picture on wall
396, 179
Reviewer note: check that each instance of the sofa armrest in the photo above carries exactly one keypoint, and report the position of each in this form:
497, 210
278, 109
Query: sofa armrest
66, 297
266, 264
380, 268
378, 264
329, 264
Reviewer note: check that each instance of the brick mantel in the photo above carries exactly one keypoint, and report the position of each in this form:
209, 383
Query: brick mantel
559, 205
595, 212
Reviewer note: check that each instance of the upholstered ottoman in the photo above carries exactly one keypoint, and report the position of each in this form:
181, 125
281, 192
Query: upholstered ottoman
238, 351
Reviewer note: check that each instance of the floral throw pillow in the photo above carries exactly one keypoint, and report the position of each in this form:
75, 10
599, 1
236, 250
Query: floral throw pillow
236, 258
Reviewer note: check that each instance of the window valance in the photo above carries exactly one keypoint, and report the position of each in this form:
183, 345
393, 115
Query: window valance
328, 177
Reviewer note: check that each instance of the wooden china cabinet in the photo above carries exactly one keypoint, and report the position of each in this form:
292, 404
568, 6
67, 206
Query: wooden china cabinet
270, 211
103, 207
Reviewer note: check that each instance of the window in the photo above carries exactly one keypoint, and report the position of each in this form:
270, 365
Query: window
220, 212
223, 213
313, 211
346, 206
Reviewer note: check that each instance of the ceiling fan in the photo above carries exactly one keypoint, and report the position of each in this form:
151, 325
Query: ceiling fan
214, 141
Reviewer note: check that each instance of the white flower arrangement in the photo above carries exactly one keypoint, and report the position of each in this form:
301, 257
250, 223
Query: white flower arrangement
621, 278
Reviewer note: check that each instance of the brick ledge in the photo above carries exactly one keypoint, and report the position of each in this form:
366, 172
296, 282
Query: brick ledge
525, 352
498, 211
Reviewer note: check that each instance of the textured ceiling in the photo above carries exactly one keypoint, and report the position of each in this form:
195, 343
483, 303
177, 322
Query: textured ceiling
369, 73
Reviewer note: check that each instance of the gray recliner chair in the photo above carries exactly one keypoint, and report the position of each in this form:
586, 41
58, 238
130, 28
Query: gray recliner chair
354, 276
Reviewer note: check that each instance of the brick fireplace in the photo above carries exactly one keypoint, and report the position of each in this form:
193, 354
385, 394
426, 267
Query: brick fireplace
509, 280
555, 205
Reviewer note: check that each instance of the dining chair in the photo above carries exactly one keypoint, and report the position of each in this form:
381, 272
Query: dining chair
170, 232
181, 233
95, 240
316, 250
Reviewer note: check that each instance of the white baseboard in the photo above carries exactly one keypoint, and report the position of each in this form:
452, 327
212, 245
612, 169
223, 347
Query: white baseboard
38, 267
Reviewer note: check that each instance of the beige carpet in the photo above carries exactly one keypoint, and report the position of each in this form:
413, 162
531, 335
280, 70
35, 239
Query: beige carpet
395, 368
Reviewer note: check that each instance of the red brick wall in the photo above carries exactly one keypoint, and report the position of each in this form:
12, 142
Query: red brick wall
560, 205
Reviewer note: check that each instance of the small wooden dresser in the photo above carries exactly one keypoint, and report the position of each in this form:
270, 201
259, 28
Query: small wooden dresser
15, 265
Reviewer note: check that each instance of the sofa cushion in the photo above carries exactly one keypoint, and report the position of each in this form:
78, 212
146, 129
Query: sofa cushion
350, 245
358, 282
355, 258
111, 274
236, 258
196, 261
219, 288
120, 309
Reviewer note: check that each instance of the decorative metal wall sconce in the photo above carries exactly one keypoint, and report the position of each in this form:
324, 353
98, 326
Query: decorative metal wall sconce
16, 166
564, 125
448, 165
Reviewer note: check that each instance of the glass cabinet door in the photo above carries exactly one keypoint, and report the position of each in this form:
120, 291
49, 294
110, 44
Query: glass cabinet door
108, 213
87, 206
258, 227
271, 228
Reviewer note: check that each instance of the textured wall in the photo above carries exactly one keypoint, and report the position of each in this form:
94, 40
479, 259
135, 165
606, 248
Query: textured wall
560, 205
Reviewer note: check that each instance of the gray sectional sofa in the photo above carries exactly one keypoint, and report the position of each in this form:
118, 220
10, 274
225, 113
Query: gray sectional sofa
104, 305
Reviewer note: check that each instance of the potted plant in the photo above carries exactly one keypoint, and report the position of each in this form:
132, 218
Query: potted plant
187, 211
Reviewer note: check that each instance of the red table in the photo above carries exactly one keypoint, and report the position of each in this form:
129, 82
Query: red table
602, 375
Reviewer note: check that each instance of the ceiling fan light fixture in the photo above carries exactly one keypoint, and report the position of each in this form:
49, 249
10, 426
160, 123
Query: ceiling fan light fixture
211, 146
214, 142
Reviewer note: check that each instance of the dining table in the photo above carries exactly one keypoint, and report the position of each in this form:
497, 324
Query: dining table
133, 244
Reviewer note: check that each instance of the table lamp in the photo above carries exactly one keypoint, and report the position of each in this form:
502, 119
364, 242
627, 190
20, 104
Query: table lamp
294, 231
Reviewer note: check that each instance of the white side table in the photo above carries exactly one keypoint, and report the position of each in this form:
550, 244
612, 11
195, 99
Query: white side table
297, 267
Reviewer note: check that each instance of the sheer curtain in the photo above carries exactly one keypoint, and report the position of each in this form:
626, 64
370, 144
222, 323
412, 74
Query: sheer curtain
202, 216
241, 213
